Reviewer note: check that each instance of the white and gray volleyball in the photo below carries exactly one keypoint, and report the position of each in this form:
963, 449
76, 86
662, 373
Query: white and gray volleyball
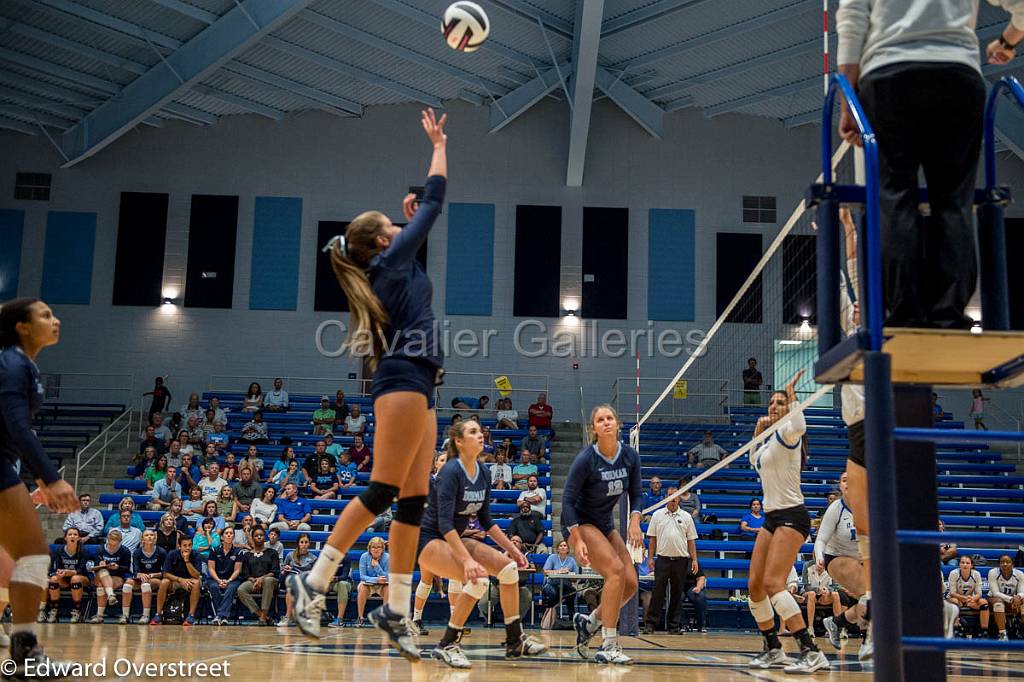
465, 26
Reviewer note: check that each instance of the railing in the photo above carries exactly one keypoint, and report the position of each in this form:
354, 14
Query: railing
705, 398
476, 384
237, 383
584, 432
88, 387
1003, 415
120, 425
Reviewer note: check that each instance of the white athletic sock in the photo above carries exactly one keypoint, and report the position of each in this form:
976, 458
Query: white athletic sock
324, 568
417, 614
610, 635
594, 620
110, 593
399, 592
100, 610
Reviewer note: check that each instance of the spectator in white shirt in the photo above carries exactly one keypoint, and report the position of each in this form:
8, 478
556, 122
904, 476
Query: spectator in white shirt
355, 422
210, 485
87, 521
501, 473
536, 496
192, 408
276, 400
507, 417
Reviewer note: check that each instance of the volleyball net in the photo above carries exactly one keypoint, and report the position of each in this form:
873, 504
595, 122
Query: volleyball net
771, 318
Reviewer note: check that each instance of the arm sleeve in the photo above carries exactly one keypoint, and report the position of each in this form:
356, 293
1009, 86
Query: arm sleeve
483, 516
828, 524
993, 586
571, 493
447, 489
403, 249
853, 20
636, 487
796, 427
15, 386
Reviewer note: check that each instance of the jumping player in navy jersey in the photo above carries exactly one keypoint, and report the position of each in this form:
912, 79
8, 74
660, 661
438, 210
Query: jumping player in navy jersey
598, 477
778, 461
462, 490
26, 327
393, 329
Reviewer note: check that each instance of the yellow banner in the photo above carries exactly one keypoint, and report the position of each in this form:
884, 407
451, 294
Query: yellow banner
680, 391
504, 386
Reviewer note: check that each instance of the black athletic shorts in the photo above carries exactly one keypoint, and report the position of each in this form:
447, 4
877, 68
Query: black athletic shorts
10, 474
856, 433
796, 518
398, 373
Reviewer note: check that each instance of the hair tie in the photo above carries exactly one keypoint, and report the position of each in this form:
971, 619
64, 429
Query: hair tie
340, 241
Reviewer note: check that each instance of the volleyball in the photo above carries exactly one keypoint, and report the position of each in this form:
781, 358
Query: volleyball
465, 26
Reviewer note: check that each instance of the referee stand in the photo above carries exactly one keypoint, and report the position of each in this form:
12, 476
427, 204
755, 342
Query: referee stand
898, 368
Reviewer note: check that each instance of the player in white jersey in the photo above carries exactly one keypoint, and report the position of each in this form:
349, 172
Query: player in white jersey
779, 462
1005, 592
965, 590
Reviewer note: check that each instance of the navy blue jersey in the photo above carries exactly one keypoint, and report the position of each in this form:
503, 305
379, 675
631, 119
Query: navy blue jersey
595, 484
325, 481
153, 563
21, 396
455, 497
122, 557
174, 564
60, 560
403, 287
224, 561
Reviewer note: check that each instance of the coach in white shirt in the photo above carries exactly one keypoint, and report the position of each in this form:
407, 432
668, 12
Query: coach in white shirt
673, 552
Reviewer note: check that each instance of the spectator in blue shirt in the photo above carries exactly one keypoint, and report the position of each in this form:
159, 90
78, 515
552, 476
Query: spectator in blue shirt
469, 403
165, 490
346, 470
752, 521
373, 576
655, 494
559, 563
293, 513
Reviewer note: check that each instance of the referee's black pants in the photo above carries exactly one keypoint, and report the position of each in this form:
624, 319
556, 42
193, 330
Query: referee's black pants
670, 573
926, 115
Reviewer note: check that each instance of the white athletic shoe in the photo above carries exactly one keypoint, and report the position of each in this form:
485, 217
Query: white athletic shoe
452, 655
526, 646
123, 619
52, 616
612, 654
5, 643
1003, 637
770, 658
307, 605
283, 623
834, 636
867, 648
810, 661
76, 616
96, 620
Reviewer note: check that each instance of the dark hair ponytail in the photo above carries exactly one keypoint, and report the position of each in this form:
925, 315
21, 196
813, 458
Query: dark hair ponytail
12, 313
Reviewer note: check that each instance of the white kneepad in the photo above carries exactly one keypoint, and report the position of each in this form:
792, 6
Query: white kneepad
477, 588
146, 587
999, 606
454, 587
32, 570
762, 610
509, 574
423, 590
785, 605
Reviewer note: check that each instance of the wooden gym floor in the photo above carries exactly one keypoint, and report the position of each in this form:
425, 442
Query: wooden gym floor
281, 654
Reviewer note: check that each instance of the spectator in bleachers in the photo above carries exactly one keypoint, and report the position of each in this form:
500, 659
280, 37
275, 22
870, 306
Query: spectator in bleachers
672, 556
373, 576
508, 449
287, 455
184, 447
182, 571
181, 521
535, 496
206, 539
276, 400
324, 417
311, 465
977, 409
167, 533
255, 431
148, 570
144, 459
188, 475
534, 444
174, 454
223, 575
292, 475
260, 569
246, 490
964, 587
210, 512
492, 597
209, 426
176, 424
126, 503
202, 457
230, 470
165, 490
695, 592
67, 571
324, 486
360, 454
211, 484
340, 408
689, 501
540, 412
149, 440
193, 506
161, 397
488, 441
507, 417
130, 535
948, 553
752, 381
1005, 593
243, 533
293, 512
818, 591
226, 506
218, 437
219, 415
274, 541
456, 418
521, 472
332, 448
529, 527
559, 563
264, 509
346, 471
192, 408
112, 565
501, 473
161, 430
705, 453
253, 460
87, 521
341, 585
832, 496
355, 422
655, 494
299, 561
752, 520
253, 399
938, 414
470, 403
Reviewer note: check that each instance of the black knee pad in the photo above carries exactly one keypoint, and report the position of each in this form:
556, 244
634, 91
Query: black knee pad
410, 510
983, 607
378, 497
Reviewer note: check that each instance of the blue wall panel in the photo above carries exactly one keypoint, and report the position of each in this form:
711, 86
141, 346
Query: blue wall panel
470, 280
67, 261
670, 280
277, 231
12, 224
